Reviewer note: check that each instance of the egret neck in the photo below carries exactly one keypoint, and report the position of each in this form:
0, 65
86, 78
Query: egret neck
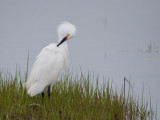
64, 50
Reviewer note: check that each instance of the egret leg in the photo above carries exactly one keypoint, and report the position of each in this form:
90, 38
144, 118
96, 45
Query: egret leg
42, 94
49, 91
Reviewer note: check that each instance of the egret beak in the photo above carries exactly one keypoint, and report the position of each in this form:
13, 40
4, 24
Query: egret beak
64, 39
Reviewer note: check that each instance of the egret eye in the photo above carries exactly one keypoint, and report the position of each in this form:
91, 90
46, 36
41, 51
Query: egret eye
68, 35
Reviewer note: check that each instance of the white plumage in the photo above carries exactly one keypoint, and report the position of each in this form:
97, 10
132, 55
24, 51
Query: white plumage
50, 61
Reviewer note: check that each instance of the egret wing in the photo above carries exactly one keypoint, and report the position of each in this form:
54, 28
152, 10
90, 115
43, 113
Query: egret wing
46, 68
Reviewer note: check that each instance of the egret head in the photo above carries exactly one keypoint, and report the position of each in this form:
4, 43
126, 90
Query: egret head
65, 31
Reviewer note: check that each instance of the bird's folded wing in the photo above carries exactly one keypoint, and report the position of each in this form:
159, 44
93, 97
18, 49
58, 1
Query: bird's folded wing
46, 65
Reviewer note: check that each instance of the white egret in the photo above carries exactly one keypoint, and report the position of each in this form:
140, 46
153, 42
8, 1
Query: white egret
50, 62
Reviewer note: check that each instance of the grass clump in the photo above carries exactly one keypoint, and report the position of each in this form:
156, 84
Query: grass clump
73, 98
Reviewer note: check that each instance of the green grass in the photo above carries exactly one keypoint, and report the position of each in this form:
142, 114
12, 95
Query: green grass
73, 98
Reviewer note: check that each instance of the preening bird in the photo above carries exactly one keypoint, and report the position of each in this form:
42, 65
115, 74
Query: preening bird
50, 62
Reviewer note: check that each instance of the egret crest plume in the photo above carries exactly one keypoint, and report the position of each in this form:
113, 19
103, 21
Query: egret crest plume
66, 28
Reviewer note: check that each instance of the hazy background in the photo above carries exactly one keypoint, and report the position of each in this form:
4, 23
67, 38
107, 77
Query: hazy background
114, 38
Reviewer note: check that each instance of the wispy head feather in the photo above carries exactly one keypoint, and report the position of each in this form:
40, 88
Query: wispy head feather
64, 29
